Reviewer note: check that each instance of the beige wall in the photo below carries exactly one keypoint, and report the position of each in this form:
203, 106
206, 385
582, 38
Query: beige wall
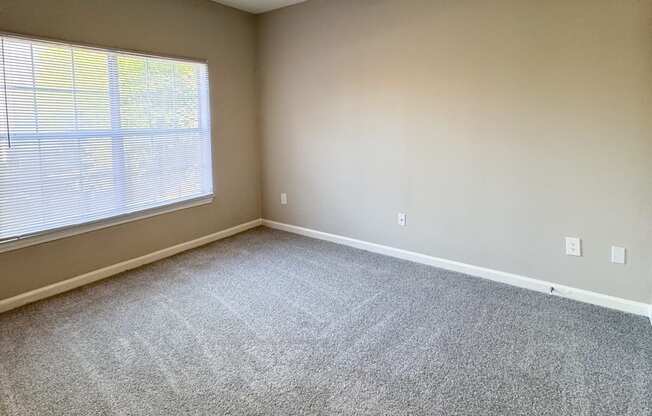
193, 28
498, 126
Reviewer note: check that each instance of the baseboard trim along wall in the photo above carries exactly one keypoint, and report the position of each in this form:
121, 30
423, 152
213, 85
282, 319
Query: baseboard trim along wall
581, 295
94, 276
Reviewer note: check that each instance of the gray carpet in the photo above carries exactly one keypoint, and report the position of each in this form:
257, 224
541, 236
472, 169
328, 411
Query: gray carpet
269, 323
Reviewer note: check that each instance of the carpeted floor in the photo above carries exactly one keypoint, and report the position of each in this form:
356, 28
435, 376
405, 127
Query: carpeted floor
269, 323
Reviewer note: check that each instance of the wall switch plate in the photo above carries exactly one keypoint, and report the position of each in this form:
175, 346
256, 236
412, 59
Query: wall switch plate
402, 219
573, 246
618, 255
284, 199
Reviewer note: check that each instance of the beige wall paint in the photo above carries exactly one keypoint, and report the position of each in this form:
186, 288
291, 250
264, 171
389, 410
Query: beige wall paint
498, 126
192, 28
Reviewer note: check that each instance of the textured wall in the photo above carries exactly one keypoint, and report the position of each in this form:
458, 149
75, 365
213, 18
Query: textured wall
193, 28
498, 126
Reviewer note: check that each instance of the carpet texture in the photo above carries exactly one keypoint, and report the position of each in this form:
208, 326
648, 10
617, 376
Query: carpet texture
269, 323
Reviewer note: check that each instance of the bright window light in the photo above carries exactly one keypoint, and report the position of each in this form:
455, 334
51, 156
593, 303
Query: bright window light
90, 134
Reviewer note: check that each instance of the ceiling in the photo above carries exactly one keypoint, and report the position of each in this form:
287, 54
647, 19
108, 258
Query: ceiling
258, 6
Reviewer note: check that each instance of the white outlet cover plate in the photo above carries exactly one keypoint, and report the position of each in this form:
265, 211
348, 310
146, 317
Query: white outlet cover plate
618, 255
573, 246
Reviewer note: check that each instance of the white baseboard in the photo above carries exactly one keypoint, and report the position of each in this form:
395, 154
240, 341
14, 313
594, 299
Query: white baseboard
581, 295
84, 279
624, 305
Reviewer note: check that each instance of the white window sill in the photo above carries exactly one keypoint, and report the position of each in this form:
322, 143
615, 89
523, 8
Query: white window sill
73, 230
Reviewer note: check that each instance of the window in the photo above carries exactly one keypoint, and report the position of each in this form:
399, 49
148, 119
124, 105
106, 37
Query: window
90, 134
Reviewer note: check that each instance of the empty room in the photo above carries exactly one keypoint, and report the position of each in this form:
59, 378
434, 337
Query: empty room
326, 207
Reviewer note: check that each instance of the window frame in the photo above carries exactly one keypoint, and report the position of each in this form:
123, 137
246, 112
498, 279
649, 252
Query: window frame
85, 227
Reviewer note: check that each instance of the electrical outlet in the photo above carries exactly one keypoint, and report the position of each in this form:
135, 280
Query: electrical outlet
618, 255
573, 246
402, 219
284, 199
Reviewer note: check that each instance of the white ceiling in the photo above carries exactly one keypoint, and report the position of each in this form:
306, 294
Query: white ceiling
258, 6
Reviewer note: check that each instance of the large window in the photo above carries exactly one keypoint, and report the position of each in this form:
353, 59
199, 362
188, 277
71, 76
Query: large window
89, 134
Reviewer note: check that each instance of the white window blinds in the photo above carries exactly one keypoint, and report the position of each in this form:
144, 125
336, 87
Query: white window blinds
89, 134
